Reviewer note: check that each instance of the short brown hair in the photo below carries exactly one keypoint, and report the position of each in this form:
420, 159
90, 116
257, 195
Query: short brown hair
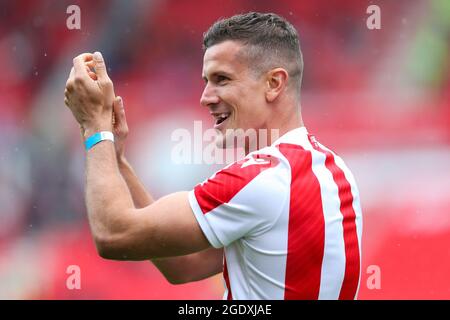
271, 41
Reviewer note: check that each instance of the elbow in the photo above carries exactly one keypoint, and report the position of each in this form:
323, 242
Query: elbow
174, 281
109, 248
177, 280
113, 241
120, 247
106, 253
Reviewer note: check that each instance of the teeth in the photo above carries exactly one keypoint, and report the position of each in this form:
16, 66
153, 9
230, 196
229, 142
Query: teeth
221, 116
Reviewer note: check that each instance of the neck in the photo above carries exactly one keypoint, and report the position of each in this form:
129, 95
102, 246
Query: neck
276, 128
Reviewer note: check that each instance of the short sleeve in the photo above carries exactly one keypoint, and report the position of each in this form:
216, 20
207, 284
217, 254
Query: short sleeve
242, 199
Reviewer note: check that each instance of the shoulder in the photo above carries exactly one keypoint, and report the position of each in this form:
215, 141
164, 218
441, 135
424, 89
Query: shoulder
262, 176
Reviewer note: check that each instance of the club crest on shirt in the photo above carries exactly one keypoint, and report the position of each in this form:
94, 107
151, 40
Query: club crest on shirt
259, 159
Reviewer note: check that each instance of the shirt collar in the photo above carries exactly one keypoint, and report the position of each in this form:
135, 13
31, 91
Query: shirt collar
292, 136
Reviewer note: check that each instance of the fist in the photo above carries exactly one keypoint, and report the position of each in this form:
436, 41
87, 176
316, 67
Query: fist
90, 95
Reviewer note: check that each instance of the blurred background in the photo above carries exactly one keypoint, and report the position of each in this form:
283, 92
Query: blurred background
379, 98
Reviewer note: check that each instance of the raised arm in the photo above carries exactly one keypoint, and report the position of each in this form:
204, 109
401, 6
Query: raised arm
164, 228
177, 270
141, 198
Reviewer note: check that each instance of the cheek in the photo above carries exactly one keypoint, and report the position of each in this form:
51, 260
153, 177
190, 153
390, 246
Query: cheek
247, 106
249, 118
253, 108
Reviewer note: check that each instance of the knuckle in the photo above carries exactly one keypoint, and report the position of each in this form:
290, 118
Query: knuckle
69, 85
106, 83
78, 80
78, 57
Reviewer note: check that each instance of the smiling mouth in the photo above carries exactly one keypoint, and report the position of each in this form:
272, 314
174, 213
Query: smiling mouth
220, 118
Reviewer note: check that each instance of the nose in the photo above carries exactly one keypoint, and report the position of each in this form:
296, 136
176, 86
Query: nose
209, 96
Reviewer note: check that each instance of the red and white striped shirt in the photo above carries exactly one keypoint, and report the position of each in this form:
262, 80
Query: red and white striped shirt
289, 219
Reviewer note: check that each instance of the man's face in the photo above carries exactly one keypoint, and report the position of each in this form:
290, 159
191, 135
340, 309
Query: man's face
233, 93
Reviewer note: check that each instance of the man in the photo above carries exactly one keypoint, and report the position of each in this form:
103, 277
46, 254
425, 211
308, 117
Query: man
283, 223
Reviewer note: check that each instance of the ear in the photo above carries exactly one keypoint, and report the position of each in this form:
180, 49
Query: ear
276, 82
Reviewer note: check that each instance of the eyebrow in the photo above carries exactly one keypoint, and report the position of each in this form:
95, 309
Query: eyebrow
218, 73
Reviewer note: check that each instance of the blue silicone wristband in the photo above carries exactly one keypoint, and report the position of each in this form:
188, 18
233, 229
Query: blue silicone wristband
97, 137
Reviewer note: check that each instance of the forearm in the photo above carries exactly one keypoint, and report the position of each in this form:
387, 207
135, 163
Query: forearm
141, 198
108, 199
192, 267
176, 270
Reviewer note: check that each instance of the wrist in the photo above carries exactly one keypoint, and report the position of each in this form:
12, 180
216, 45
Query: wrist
97, 138
122, 161
93, 128
124, 166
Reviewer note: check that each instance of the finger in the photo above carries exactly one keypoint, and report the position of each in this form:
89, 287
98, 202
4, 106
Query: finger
70, 80
100, 67
79, 64
90, 67
119, 113
82, 131
90, 64
92, 75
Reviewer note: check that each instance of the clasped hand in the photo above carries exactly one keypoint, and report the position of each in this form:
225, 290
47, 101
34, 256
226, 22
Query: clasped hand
90, 95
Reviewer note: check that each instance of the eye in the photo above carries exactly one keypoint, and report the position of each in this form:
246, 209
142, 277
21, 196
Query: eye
222, 79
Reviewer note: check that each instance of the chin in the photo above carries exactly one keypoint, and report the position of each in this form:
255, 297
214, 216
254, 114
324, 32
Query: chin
221, 140
227, 139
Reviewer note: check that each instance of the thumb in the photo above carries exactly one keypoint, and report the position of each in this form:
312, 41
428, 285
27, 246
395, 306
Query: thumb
82, 131
100, 67
119, 113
